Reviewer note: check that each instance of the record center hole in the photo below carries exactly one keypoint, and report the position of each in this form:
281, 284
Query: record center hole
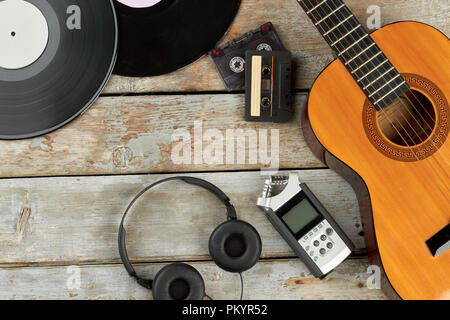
409, 121
235, 246
179, 289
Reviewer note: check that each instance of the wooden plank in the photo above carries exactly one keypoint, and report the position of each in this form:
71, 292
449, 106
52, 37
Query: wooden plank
48, 221
267, 280
136, 135
310, 52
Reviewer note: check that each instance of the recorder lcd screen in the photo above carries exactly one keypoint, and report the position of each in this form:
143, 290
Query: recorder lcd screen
300, 216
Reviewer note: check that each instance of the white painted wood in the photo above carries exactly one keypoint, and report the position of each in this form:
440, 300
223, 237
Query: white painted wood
49, 221
285, 279
136, 135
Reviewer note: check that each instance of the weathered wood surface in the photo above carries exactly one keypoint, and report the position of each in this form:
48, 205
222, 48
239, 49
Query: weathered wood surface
51, 221
134, 135
48, 224
310, 52
280, 279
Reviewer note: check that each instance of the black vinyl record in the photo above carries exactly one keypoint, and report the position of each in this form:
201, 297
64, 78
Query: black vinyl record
56, 57
169, 35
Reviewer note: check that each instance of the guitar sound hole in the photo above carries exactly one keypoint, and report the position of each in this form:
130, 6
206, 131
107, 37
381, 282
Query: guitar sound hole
409, 121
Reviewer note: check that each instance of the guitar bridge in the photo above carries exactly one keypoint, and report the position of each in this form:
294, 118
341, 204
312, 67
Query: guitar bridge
440, 242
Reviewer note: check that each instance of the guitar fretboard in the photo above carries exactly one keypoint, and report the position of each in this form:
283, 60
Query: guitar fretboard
371, 69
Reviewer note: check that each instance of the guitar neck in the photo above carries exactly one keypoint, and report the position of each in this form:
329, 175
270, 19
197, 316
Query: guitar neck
371, 69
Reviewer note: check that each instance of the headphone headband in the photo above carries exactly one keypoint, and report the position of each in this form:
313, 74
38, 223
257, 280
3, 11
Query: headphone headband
231, 215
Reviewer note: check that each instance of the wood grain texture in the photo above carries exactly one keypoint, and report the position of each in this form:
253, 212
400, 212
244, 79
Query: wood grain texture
310, 52
48, 224
281, 279
134, 135
409, 200
48, 221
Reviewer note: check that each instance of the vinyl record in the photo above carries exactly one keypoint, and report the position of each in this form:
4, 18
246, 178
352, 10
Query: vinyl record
55, 57
161, 36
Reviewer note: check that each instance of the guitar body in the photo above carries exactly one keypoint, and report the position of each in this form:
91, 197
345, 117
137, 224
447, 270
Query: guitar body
403, 201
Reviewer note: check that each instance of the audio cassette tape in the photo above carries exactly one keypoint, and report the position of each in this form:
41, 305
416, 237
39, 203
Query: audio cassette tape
230, 59
268, 86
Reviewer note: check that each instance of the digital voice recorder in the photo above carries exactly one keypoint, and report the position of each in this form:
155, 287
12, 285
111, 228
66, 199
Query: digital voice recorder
305, 224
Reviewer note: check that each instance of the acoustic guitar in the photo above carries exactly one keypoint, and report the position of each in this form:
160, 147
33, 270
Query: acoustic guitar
379, 116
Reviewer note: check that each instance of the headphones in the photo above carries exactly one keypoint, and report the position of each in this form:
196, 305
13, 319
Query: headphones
235, 246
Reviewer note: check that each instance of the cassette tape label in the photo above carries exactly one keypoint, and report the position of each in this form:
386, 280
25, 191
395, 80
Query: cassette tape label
256, 86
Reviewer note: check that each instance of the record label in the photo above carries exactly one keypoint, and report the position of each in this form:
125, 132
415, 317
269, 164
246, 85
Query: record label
24, 34
139, 3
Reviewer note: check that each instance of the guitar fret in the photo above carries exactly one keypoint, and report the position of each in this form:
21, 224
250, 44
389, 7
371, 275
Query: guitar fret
345, 35
379, 52
339, 24
348, 62
354, 44
316, 7
330, 14
386, 84
381, 64
387, 94
356, 49
390, 69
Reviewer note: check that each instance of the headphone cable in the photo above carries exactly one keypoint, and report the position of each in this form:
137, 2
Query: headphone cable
242, 285
242, 288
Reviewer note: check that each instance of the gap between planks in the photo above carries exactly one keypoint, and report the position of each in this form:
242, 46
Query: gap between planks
138, 135
76, 219
278, 279
355, 256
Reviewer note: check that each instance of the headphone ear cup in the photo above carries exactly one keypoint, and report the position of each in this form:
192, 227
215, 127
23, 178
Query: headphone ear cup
235, 246
178, 281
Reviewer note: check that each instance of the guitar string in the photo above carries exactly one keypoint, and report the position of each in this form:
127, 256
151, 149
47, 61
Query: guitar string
389, 119
443, 146
389, 99
424, 108
392, 123
438, 150
350, 33
390, 86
